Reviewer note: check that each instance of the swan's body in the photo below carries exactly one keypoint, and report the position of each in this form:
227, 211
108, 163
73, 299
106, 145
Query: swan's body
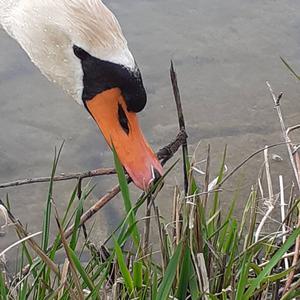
79, 44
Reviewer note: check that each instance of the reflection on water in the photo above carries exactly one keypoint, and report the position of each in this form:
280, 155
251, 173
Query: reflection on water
224, 52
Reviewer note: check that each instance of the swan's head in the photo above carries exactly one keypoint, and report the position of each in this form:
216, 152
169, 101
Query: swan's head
113, 94
79, 44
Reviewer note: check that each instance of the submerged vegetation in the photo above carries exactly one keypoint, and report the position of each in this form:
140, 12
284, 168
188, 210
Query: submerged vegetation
203, 251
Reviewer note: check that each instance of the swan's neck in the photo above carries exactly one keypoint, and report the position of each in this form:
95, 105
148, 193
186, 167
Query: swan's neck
6, 6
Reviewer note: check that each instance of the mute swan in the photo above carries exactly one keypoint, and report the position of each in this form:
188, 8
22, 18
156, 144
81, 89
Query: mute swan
79, 45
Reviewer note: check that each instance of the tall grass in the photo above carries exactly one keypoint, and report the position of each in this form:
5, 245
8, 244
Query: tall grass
205, 253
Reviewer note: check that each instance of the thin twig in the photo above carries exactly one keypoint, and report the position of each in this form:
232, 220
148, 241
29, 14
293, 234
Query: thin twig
297, 161
168, 151
181, 123
293, 128
247, 159
62, 177
287, 140
204, 193
64, 278
287, 255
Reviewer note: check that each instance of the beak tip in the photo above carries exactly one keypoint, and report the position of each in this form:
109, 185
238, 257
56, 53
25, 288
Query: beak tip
156, 175
148, 179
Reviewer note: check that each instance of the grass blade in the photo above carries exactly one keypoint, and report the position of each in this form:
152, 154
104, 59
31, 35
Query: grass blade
184, 274
169, 276
126, 198
273, 261
75, 233
47, 212
3, 289
154, 285
123, 268
76, 261
138, 274
243, 277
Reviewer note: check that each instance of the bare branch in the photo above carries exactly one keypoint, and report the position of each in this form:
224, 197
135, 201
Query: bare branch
62, 177
276, 101
181, 122
290, 129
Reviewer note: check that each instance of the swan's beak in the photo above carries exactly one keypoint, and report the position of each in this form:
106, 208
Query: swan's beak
121, 130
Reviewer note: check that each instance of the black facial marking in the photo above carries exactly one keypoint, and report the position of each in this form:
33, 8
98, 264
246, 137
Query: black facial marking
123, 119
100, 75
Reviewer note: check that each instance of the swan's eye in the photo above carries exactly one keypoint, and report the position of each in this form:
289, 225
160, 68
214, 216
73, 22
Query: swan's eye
123, 119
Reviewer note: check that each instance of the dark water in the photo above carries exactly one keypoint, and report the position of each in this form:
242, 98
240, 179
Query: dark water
224, 51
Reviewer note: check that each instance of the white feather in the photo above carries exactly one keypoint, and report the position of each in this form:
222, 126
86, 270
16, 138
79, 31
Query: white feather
47, 30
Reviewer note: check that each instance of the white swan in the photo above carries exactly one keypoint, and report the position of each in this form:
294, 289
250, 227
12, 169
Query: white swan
79, 45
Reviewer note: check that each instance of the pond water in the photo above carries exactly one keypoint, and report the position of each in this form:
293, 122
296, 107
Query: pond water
224, 51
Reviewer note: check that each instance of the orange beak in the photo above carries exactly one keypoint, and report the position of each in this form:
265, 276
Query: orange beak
121, 129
